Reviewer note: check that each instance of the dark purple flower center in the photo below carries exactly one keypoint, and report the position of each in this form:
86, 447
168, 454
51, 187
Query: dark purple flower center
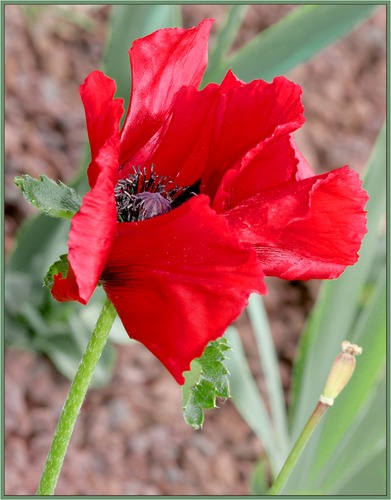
143, 195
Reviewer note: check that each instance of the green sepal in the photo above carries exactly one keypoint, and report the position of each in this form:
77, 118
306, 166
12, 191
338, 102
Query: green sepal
206, 380
56, 200
60, 266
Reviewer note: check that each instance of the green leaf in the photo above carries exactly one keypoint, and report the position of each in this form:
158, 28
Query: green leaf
226, 36
60, 266
249, 402
269, 362
56, 200
206, 380
293, 40
365, 437
259, 480
371, 479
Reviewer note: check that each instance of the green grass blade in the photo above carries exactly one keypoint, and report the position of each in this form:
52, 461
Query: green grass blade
363, 438
269, 363
248, 400
226, 36
293, 40
370, 479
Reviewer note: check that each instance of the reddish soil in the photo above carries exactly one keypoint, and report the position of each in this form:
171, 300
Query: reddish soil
130, 438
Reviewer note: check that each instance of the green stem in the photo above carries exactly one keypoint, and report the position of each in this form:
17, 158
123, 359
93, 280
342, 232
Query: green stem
296, 451
75, 399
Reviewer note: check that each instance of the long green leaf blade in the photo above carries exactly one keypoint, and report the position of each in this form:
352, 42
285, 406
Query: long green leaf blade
293, 40
226, 36
363, 438
269, 363
248, 400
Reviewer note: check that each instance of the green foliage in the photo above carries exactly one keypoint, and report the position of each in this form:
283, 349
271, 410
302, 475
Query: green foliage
56, 200
34, 321
207, 379
293, 40
249, 401
226, 36
259, 483
60, 266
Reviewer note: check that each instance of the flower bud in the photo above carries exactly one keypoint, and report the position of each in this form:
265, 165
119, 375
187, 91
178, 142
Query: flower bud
340, 373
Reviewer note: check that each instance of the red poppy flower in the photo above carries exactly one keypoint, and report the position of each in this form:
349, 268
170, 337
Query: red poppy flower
199, 195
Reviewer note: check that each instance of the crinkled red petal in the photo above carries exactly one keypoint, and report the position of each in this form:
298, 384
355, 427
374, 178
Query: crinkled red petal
269, 165
161, 64
247, 116
93, 227
308, 229
214, 130
178, 280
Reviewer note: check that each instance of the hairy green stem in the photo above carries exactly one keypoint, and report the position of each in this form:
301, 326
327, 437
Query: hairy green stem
75, 400
296, 451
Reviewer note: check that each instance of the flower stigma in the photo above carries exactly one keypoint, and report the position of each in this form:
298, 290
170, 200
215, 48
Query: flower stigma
143, 195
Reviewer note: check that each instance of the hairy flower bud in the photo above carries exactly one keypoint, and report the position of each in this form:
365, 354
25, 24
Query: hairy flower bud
340, 373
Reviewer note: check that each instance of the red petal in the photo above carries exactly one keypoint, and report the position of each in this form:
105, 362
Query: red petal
246, 117
303, 167
225, 127
309, 229
93, 227
65, 289
90, 238
178, 280
183, 151
267, 166
103, 114
161, 64
231, 81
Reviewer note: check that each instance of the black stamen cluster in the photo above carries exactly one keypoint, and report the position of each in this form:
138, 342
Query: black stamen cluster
143, 195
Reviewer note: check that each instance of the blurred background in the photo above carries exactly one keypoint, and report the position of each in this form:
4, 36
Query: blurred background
130, 438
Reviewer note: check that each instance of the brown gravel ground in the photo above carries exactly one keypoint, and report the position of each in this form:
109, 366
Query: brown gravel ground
130, 438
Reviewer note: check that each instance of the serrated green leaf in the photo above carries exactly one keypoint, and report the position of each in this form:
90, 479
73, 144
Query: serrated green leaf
207, 379
60, 266
56, 200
